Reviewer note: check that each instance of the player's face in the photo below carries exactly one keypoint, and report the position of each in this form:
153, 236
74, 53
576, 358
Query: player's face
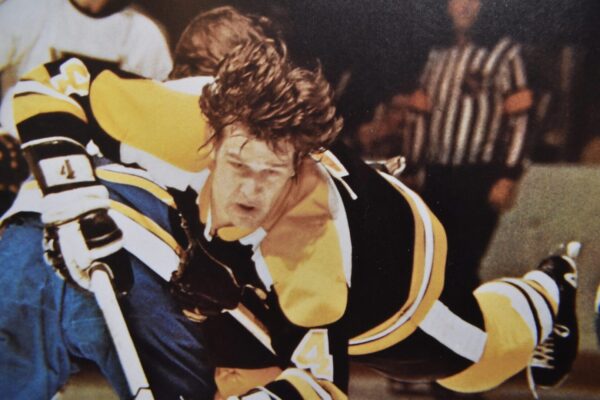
463, 13
248, 178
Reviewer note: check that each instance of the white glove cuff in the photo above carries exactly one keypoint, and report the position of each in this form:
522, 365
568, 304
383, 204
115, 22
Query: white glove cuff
64, 206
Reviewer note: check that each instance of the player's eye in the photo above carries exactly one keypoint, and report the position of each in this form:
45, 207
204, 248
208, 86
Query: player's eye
236, 164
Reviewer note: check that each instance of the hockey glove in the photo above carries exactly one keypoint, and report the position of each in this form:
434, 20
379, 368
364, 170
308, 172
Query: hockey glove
78, 230
74, 248
203, 286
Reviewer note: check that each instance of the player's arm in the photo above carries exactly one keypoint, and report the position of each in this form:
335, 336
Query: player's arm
518, 100
49, 108
52, 101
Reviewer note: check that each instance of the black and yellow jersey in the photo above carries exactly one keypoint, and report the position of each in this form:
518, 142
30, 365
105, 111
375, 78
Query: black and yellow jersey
349, 263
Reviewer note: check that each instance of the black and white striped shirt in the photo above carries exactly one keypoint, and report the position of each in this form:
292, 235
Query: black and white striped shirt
467, 122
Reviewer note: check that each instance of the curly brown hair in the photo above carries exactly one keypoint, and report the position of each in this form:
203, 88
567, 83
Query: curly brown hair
211, 35
257, 85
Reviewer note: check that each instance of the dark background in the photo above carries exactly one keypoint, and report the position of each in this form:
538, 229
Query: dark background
384, 44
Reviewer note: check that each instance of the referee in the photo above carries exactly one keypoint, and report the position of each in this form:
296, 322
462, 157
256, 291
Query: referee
467, 129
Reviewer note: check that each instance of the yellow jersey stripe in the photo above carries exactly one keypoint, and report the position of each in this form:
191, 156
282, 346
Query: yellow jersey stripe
33, 104
147, 223
137, 181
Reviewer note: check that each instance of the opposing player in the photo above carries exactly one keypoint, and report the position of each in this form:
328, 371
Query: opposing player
298, 258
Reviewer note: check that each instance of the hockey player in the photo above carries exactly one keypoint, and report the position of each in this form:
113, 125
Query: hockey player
297, 257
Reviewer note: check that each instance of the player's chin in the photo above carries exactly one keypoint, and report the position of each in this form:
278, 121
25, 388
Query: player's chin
248, 218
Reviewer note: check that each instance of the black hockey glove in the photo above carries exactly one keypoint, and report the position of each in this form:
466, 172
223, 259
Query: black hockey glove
203, 286
74, 248
79, 232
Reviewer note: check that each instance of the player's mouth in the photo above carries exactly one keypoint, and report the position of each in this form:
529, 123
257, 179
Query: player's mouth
245, 208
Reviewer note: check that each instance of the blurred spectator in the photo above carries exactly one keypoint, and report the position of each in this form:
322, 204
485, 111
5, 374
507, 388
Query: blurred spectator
37, 31
380, 138
468, 131
108, 30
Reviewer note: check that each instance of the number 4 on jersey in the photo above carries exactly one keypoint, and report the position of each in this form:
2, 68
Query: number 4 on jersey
313, 354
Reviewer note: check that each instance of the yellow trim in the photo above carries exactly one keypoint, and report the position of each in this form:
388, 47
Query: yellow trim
34, 104
237, 381
330, 161
542, 290
333, 390
30, 185
302, 386
38, 74
434, 289
139, 182
299, 379
147, 223
147, 115
508, 349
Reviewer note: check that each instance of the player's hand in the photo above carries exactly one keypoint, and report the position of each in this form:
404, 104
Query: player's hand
73, 248
78, 230
502, 194
203, 286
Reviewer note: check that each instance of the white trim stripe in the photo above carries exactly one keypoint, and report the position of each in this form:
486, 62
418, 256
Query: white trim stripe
340, 220
428, 261
253, 328
461, 337
36, 142
546, 281
544, 313
517, 300
262, 269
152, 251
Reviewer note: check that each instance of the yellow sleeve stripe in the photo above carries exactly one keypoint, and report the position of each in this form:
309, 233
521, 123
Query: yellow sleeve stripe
335, 392
426, 284
39, 73
32, 104
541, 289
146, 223
137, 181
306, 385
72, 78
